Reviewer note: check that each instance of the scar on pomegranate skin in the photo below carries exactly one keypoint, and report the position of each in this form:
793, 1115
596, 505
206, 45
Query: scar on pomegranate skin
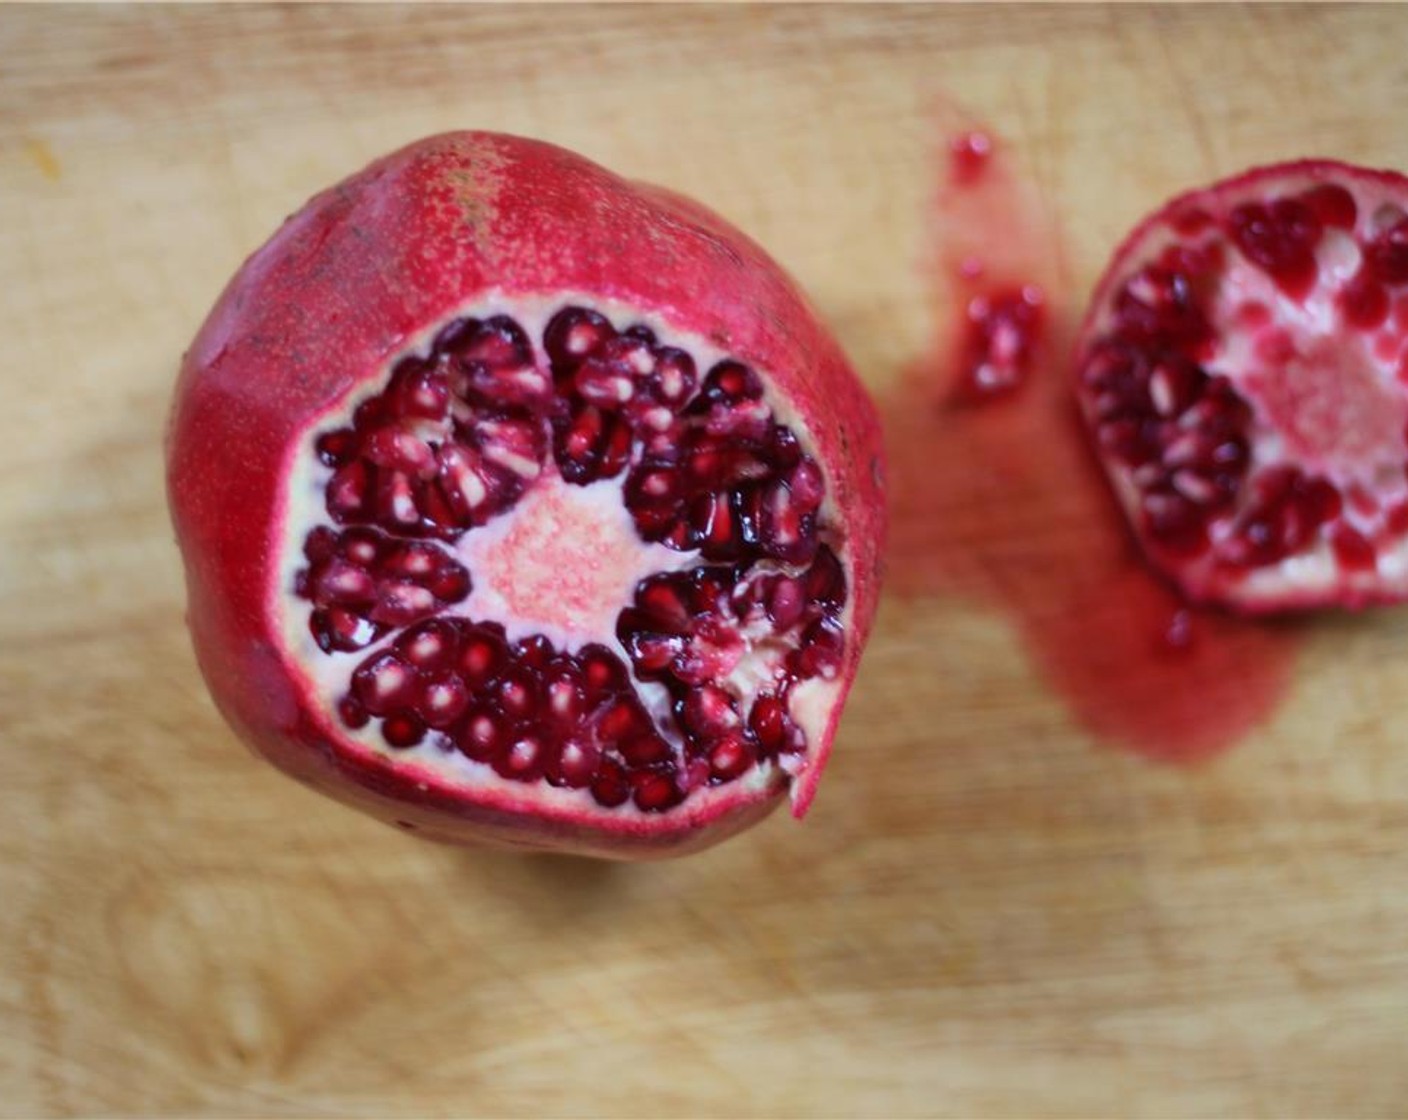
1007, 506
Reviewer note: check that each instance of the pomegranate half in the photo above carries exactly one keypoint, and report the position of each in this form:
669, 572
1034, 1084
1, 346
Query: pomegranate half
1243, 369
523, 504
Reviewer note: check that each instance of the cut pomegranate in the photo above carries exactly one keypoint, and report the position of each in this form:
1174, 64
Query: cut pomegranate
521, 504
1242, 371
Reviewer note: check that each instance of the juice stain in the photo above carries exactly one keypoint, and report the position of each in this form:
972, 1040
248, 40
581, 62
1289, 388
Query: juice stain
996, 497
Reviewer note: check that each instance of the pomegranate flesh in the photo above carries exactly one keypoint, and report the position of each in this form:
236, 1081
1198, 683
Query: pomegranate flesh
1243, 369
523, 504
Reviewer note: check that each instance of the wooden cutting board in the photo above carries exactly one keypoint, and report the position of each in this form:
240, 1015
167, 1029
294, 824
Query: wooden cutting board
992, 911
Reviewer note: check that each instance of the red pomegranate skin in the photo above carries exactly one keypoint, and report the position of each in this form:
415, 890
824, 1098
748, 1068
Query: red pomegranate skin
337, 291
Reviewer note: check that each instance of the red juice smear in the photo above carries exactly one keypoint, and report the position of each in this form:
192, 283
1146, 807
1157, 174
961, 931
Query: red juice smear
1007, 506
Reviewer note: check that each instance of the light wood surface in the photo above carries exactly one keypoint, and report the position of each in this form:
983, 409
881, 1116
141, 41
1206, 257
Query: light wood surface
989, 913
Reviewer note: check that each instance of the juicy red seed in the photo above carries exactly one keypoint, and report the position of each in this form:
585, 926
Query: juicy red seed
534, 652
336, 449
611, 786
1396, 519
673, 379
430, 645
1159, 307
786, 601
1353, 550
620, 720
351, 712
1281, 239
564, 696
480, 735
1000, 339
574, 333
523, 760
826, 580
1332, 205
339, 630
384, 683
517, 693
443, 700
574, 765
1175, 522
656, 791
403, 729
602, 671
644, 750
1387, 254
823, 646
349, 491
772, 726
731, 757
482, 657
708, 712
729, 382
1363, 301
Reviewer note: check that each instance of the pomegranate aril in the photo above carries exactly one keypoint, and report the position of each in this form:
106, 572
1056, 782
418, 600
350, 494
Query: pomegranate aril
826, 580
351, 712
655, 791
786, 602
400, 603
1332, 205
384, 683
1363, 302
336, 449
1353, 550
565, 699
402, 729
647, 749
573, 333
443, 700
517, 693
602, 671
772, 727
431, 645
708, 712
340, 631
419, 391
574, 765
821, 651
731, 757
1281, 239
337, 581
612, 785
483, 655
621, 720
481, 735
729, 382
348, 491
673, 379
523, 760
1387, 255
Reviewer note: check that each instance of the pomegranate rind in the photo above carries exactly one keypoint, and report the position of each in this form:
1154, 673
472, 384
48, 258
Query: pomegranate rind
1297, 583
349, 281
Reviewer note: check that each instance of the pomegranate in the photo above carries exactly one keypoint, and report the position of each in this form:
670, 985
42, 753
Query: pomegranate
1243, 369
523, 504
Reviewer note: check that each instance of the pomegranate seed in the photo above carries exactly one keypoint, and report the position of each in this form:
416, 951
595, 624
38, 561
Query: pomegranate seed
730, 758
655, 792
574, 766
402, 729
1353, 550
611, 786
1332, 205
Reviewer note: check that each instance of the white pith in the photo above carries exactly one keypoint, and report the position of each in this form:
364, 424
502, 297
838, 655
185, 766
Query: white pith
1313, 324
488, 554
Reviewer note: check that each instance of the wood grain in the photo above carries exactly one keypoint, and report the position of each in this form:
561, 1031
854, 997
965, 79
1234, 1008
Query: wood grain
988, 913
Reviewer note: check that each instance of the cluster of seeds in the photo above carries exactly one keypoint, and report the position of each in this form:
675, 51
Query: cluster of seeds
456, 439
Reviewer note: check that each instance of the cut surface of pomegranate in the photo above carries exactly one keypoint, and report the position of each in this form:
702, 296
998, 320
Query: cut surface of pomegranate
1243, 369
523, 504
